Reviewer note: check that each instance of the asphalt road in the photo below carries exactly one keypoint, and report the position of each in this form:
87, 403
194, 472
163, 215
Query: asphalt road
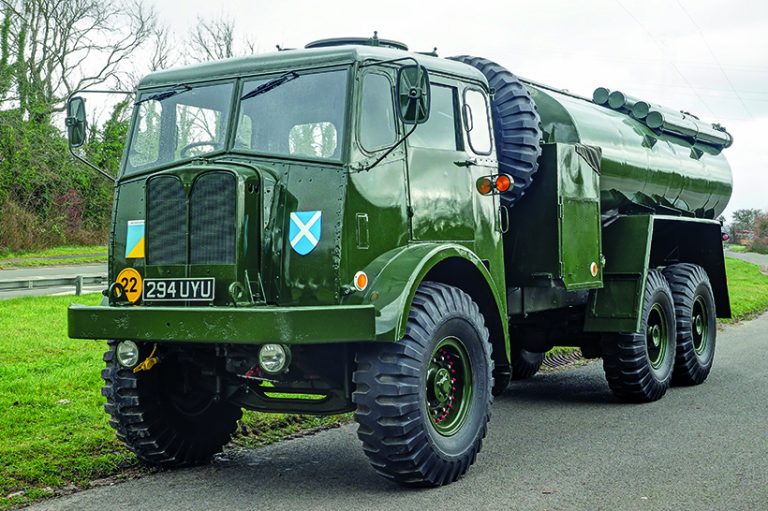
751, 257
559, 441
41, 272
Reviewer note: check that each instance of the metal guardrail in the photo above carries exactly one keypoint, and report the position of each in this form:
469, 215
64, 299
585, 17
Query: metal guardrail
41, 283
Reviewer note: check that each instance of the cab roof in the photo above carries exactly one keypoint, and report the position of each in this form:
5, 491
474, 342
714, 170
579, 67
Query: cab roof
304, 58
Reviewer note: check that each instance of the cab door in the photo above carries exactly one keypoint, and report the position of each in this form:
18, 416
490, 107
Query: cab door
440, 184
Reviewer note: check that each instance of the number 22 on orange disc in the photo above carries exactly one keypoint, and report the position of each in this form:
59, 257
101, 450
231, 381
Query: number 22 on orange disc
130, 280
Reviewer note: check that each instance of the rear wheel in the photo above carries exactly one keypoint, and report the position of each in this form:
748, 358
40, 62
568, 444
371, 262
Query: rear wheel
639, 366
423, 403
696, 327
162, 415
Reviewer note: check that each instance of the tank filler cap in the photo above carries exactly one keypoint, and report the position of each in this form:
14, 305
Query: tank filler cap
360, 41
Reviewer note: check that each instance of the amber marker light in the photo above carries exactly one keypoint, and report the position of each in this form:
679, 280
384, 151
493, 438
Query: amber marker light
484, 185
503, 183
361, 281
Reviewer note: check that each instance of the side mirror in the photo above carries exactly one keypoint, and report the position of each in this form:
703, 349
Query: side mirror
413, 94
76, 124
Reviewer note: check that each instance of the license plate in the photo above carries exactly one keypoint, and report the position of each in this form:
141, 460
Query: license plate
198, 290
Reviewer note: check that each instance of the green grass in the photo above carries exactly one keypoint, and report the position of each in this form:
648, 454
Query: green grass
748, 288
53, 429
54, 432
736, 248
54, 256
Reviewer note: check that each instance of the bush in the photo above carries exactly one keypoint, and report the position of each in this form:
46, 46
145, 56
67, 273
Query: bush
46, 198
760, 234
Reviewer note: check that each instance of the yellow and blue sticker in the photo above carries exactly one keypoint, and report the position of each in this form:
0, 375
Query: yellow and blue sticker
134, 240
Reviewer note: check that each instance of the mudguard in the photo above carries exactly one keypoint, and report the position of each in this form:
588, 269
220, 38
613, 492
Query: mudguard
395, 276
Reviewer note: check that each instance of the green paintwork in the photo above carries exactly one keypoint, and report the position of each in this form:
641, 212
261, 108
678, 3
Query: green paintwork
449, 386
416, 213
396, 221
639, 166
564, 241
656, 336
700, 325
240, 325
627, 249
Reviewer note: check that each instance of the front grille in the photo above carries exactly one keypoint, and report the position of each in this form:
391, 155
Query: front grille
166, 237
210, 210
212, 219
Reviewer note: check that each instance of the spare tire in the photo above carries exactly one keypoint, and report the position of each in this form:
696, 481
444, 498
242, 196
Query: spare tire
516, 125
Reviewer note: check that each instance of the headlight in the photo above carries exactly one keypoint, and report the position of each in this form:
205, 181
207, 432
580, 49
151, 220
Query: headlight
127, 353
274, 358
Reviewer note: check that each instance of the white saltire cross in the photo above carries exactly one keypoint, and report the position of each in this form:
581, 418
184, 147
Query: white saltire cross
304, 229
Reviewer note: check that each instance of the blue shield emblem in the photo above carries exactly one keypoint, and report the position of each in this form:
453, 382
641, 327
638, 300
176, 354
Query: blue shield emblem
304, 231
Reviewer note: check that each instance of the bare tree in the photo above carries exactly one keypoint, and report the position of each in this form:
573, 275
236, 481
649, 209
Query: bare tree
62, 46
216, 40
212, 40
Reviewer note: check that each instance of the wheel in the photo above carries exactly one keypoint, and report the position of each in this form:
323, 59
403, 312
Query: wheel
163, 419
423, 403
525, 363
516, 129
696, 328
639, 366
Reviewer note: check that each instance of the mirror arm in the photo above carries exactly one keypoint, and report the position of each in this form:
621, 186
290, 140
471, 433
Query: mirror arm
388, 151
91, 165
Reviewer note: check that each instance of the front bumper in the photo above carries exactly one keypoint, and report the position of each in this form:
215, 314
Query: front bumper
242, 325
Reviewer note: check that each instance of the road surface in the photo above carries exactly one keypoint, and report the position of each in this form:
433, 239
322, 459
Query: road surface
40, 272
559, 441
751, 257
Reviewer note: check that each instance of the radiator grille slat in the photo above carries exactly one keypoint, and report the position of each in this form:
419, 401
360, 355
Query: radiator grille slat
212, 216
166, 236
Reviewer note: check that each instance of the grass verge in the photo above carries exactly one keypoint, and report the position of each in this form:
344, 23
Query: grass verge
748, 288
54, 432
80, 254
53, 429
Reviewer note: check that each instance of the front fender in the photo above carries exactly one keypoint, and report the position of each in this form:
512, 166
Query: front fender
395, 276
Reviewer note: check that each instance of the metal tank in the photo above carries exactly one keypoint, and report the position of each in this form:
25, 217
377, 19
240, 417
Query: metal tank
663, 169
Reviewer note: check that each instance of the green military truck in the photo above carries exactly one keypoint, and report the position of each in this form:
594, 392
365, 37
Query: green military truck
356, 227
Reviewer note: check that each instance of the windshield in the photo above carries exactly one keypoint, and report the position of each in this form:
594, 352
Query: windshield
294, 114
178, 123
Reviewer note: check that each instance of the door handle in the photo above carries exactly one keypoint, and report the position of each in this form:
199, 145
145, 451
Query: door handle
466, 163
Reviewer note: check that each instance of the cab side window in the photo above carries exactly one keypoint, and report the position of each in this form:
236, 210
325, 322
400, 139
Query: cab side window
377, 119
476, 121
439, 132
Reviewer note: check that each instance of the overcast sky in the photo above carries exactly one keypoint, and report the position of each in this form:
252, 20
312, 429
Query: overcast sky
709, 57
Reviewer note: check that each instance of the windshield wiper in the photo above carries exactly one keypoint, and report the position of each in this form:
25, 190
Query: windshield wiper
268, 86
165, 94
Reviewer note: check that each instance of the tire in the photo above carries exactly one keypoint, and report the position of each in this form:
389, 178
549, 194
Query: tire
696, 323
410, 430
516, 125
639, 366
525, 363
160, 428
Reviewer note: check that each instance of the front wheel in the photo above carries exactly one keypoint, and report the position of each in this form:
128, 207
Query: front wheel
638, 366
423, 403
162, 415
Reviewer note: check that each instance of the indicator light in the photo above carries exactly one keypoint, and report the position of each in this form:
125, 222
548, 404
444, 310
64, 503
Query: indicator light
361, 281
484, 185
503, 183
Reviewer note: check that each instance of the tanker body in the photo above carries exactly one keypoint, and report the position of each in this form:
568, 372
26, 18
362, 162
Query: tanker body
353, 226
